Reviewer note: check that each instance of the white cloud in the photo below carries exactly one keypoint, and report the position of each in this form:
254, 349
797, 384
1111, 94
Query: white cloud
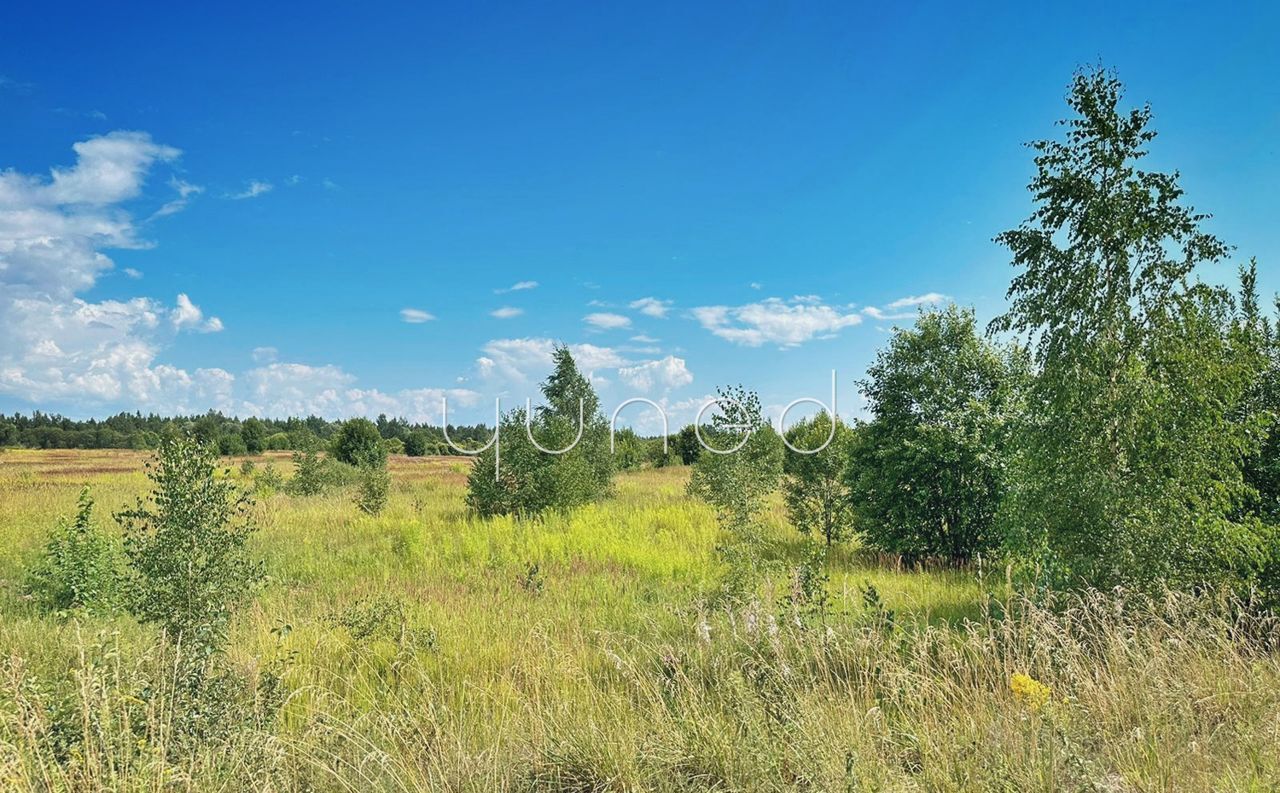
506, 312
888, 312
296, 389
57, 347
52, 231
415, 316
265, 354
254, 189
775, 321
521, 360
132, 273
603, 320
519, 286
669, 372
929, 298
644, 339
53, 234
188, 316
185, 191
652, 307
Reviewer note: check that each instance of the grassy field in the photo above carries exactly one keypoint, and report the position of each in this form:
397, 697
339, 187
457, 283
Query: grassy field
426, 649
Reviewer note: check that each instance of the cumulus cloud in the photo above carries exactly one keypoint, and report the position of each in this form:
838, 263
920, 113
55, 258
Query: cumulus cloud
669, 372
254, 189
506, 312
518, 286
415, 316
188, 316
54, 232
57, 347
775, 321
652, 307
521, 360
297, 389
603, 320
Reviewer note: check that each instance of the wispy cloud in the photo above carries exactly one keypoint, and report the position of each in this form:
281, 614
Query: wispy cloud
185, 190
415, 316
518, 286
894, 309
602, 320
265, 354
254, 189
506, 312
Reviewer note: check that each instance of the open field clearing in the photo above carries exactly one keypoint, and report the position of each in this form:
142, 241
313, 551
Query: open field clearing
428, 649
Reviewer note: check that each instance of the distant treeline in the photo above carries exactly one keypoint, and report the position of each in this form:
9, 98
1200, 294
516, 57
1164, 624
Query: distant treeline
232, 435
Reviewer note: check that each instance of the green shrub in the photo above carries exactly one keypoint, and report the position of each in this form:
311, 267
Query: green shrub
814, 488
393, 446
358, 443
375, 485
231, 445
529, 480
80, 568
736, 484
186, 547
418, 444
926, 474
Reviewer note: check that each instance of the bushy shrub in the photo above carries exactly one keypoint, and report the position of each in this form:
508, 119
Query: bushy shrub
628, 450
358, 443
186, 547
926, 473
231, 445
393, 446
528, 480
418, 444
254, 433
375, 486
736, 483
80, 568
267, 478
814, 487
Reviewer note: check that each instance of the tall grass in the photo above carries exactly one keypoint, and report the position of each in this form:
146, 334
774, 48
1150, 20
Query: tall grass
421, 649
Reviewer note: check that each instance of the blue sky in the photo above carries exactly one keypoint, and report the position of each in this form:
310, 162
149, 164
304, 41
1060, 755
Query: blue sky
702, 193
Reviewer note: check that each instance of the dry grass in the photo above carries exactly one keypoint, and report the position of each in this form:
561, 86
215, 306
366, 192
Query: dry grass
605, 670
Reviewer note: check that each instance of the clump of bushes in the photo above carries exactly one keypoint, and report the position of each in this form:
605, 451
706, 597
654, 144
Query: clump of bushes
81, 566
529, 480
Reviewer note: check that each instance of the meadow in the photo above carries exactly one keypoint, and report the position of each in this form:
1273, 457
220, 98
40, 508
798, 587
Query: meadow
427, 649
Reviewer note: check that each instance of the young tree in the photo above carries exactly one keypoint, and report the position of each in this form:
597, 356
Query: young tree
186, 547
736, 482
529, 480
358, 443
815, 490
1130, 465
417, 444
925, 474
254, 434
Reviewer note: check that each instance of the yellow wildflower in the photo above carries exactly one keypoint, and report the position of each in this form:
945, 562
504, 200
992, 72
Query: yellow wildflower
1028, 690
